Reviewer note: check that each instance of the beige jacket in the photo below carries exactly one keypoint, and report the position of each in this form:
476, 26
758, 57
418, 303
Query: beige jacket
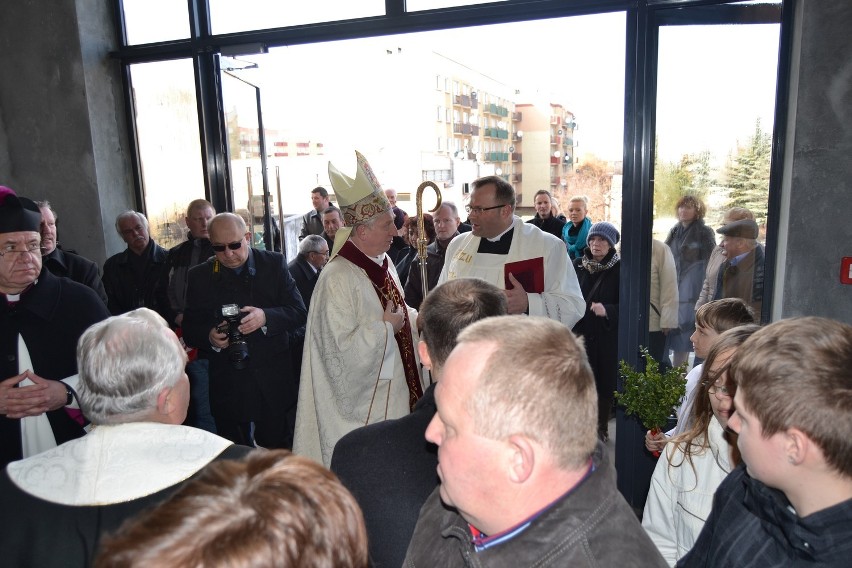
664, 294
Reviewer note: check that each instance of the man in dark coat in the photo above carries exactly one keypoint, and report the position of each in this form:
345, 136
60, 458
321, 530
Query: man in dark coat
173, 278
251, 383
41, 319
332, 220
64, 263
367, 457
312, 220
305, 268
131, 278
544, 218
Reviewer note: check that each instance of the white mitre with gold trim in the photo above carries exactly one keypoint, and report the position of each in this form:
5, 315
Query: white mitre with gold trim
359, 199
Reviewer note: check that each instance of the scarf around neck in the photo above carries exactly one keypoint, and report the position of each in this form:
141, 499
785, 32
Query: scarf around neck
592, 265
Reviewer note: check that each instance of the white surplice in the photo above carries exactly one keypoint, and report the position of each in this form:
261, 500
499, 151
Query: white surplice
352, 372
562, 299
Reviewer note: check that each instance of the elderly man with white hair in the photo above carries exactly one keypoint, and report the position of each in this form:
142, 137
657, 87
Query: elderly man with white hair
305, 268
57, 504
132, 277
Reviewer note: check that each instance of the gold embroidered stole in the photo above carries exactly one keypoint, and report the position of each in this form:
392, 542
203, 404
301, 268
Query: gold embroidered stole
387, 291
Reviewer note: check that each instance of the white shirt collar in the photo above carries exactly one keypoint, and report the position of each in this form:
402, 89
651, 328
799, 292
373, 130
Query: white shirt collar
498, 237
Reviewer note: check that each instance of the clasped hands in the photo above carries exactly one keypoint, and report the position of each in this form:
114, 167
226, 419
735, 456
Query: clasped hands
254, 319
394, 315
30, 400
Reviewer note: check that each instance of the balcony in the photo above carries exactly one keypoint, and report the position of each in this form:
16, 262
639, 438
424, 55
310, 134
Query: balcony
517, 116
555, 140
554, 181
517, 157
461, 100
457, 127
496, 156
474, 130
466, 129
474, 103
554, 161
517, 178
516, 138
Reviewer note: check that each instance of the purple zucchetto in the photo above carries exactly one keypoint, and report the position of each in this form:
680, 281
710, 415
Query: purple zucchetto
17, 213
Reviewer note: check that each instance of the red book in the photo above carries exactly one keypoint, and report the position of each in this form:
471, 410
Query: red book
530, 273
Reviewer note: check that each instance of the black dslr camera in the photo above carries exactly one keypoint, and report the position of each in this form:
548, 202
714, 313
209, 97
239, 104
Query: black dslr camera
238, 353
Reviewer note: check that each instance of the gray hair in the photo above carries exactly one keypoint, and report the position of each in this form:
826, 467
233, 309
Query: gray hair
452, 207
124, 363
46, 205
130, 213
311, 243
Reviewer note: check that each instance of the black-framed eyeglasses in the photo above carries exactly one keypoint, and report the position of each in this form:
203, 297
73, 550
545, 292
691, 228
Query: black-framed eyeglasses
233, 246
478, 210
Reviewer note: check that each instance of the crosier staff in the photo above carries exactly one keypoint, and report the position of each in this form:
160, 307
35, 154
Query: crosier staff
421, 230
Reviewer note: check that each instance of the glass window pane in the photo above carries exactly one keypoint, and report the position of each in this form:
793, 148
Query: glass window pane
149, 21
239, 100
169, 145
419, 5
228, 16
433, 102
715, 109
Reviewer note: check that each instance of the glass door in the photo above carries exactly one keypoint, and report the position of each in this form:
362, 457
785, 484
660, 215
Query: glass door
715, 105
709, 119
247, 153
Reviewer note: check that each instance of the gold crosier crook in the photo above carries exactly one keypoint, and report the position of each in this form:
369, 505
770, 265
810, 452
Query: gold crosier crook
421, 230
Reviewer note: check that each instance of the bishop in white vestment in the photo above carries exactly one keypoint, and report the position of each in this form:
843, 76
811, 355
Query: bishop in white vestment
360, 363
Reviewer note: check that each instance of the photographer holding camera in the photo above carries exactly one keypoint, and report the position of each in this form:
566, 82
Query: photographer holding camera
240, 304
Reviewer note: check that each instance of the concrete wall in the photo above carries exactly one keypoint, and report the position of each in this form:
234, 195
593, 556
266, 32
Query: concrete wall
816, 222
62, 128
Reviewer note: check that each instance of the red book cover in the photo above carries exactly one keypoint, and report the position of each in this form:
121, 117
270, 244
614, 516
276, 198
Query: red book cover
530, 273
